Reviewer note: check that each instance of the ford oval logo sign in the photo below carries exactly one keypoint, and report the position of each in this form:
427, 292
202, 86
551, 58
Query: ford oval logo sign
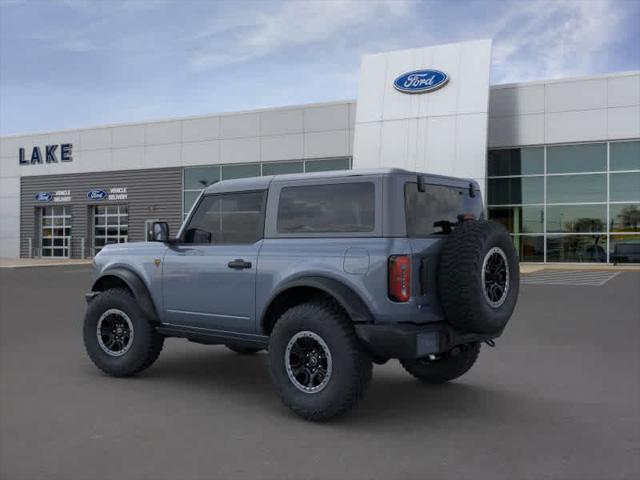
44, 196
420, 81
97, 195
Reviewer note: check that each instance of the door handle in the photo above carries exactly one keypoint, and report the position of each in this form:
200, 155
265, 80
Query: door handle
239, 264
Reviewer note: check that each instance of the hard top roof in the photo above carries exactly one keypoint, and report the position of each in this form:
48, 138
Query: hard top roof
262, 183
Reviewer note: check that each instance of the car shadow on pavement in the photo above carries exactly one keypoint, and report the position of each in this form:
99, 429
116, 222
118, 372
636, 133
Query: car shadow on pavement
394, 397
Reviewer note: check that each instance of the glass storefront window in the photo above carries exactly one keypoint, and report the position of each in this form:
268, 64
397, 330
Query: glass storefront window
516, 161
624, 187
624, 249
519, 219
327, 165
516, 191
240, 171
624, 156
278, 168
189, 199
576, 218
588, 209
591, 157
529, 248
196, 178
577, 248
624, 217
576, 188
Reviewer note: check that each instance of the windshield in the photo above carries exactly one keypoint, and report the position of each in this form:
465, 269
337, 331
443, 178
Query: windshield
436, 209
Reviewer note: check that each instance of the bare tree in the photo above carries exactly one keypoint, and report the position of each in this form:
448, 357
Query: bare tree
628, 219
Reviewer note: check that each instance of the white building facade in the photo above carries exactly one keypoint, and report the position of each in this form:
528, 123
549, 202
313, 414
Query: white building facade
559, 160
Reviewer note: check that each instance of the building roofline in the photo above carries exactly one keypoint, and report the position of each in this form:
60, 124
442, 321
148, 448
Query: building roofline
566, 79
303, 106
186, 118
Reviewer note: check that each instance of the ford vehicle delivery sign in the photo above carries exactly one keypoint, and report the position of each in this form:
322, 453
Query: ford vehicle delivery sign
97, 195
420, 81
44, 196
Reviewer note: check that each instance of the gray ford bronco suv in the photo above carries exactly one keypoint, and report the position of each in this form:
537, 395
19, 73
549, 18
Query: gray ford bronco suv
329, 272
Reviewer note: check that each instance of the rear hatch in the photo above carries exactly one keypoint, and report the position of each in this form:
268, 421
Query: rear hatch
432, 210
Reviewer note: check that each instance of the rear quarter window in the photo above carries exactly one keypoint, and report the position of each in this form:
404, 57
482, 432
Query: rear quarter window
334, 208
436, 204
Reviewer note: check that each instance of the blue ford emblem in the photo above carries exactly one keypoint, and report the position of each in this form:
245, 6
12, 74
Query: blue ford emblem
44, 196
420, 81
97, 195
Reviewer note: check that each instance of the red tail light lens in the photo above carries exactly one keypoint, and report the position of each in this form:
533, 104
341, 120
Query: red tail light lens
399, 278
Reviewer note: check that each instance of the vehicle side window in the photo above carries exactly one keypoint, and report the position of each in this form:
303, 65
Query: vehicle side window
333, 208
230, 218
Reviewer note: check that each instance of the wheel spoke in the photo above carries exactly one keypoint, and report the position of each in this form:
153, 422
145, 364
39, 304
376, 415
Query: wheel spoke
312, 378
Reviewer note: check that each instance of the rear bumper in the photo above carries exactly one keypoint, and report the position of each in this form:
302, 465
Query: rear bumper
409, 341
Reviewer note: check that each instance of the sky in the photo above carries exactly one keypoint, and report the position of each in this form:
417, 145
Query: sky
79, 63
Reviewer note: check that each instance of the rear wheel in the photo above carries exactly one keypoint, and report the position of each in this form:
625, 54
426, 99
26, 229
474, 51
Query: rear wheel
118, 337
445, 367
317, 364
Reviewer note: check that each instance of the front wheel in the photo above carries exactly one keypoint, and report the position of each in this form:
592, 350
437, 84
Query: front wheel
446, 367
118, 337
317, 364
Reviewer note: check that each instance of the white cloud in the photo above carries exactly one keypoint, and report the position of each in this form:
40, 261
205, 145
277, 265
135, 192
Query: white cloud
290, 24
548, 38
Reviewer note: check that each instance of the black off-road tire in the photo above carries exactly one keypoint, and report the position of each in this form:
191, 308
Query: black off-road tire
460, 277
145, 346
351, 371
243, 350
446, 368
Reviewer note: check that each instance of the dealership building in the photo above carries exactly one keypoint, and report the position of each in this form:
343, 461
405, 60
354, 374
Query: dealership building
558, 160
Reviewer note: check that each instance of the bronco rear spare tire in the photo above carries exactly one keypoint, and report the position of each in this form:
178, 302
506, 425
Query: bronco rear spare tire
478, 277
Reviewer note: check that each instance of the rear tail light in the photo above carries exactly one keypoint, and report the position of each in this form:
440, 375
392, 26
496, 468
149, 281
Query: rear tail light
399, 278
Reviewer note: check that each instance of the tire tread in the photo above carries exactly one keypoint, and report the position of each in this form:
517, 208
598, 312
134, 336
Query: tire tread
327, 310
144, 359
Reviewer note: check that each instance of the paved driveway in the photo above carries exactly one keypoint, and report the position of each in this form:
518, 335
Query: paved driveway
558, 398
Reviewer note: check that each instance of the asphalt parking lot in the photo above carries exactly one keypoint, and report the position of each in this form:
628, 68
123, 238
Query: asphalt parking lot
559, 397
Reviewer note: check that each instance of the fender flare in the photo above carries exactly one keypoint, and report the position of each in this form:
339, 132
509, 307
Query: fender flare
135, 284
343, 294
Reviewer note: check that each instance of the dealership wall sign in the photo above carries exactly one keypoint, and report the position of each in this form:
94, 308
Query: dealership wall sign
57, 196
44, 196
52, 153
118, 193
97, 195
420, 81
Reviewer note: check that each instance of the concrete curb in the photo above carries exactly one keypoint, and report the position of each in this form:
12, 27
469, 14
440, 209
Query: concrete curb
529, 269
32, 262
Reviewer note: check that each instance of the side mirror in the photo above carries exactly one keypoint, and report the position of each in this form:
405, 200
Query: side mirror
160, 232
